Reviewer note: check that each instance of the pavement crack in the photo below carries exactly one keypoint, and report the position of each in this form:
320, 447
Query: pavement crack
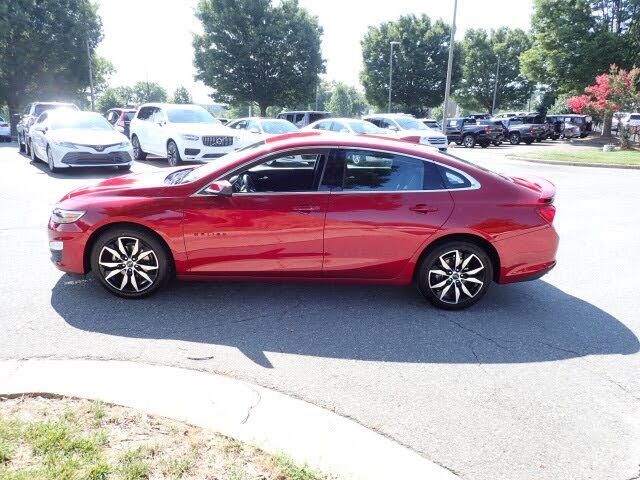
251, 407
480, 364
478, 334
210, 357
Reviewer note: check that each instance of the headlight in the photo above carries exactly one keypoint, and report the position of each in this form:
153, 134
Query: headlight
125, 144
66, 216
192, 138
237, 138
65, 144
424, 140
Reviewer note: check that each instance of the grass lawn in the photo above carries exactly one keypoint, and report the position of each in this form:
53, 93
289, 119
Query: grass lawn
588, 155
69, 439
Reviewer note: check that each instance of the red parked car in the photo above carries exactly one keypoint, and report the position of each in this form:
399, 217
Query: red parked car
298, 206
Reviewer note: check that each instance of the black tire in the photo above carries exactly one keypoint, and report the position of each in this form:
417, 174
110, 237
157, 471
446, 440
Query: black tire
497, 144
438, 289
138, 154
469, 141
156, 266
173, 154
32, 153
514, 139
124, 168
538, 140
27, 148
528, 141
484, 144
52, 167
21, 146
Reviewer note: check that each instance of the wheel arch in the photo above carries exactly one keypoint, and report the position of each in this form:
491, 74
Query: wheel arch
119, 224
464, 237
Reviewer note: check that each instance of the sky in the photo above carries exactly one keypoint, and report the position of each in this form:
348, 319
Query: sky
151, 39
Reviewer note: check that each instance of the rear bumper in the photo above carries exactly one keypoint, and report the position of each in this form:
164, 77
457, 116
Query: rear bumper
528, 256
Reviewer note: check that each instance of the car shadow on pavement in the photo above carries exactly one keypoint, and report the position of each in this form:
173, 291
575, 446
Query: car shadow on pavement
529, 322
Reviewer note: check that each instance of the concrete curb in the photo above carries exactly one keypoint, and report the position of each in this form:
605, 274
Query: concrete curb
252, 414
574, 164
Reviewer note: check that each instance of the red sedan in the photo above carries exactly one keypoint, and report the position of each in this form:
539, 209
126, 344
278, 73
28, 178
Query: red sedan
312, 207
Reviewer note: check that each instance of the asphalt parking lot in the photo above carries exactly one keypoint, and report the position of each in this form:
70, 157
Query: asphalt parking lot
539, 380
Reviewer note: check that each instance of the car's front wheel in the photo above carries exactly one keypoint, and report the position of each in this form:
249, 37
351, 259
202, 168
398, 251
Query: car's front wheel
21, 146
32, 153
455, 275
50, 161
130, 263
173, 154
469, 141
514, 139
138, 154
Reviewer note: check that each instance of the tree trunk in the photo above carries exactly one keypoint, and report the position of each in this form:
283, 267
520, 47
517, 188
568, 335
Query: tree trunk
13, 121
606, 125
263, 109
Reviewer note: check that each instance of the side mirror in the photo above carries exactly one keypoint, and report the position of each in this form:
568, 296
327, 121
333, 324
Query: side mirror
42, 129
222, 188
254, 130
393, 128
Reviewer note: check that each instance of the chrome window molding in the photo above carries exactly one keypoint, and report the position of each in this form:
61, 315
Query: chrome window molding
475, 184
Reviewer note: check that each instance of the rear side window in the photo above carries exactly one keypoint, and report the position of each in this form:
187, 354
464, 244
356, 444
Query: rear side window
145, 113
369, 171
129, 115
452, 179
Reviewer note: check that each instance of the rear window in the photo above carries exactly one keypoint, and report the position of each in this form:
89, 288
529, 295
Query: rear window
318, 116
129, 115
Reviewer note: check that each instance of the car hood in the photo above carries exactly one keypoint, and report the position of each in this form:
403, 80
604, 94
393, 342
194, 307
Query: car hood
132, 184
87, 136
202, 129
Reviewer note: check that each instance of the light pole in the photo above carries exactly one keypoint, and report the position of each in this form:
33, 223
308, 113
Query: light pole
495, 88
391, 44
449, 67
93, 96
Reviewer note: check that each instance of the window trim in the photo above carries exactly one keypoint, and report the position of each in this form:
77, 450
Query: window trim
475, 184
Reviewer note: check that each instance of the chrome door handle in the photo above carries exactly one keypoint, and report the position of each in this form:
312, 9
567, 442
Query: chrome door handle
422, 208
306, 209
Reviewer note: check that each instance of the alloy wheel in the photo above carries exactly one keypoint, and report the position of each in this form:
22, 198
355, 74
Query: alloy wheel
136, 147
172, 154
468, 141
456, 276
50, 161
128, 264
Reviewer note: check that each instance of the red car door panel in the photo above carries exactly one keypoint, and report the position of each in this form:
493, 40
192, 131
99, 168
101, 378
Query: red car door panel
372, 234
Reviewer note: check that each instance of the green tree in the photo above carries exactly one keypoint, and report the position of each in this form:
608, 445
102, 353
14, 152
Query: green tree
340, 104
560, 105
419, 64
575, 40
108, 99
43, 50
145, 92
258, 51
127, 94
481, 51
181, 95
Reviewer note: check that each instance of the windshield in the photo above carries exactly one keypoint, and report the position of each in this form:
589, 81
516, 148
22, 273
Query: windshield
410, 123
85, 121
200, 172
191, 115
366, 128
277, 127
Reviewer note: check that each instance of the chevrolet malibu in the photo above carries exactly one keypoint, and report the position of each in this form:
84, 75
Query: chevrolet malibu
297, 207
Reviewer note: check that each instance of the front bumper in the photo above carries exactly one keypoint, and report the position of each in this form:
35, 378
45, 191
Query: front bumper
66, 244
81, 156
196, 150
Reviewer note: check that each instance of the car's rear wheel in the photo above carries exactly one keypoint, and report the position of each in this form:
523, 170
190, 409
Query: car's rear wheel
130, 263
138, 154
514, 139
498, 143
468, 141
27, 148
32, 153
538, 140
455, 275
529, 141
50, 162
484, 144
173, 155
21, 146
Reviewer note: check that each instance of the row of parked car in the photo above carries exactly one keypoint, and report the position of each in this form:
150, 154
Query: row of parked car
64, 137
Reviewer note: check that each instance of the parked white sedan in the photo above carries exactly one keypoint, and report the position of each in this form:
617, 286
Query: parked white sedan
5, 131
67, 139
180, 132
253, 129
346, 125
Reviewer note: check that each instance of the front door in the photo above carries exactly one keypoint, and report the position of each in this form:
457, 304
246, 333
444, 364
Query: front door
272, 225
388, 207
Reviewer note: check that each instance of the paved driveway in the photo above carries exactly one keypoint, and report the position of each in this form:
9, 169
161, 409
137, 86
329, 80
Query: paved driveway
539, 380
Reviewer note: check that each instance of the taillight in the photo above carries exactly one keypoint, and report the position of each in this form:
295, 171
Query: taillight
4, 124
531, 129
487, 130
548, 212
120, 122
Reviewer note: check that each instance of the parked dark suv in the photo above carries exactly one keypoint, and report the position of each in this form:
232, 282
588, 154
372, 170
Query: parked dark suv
120, 118
468, 132
30, 115
520, 129
304, 117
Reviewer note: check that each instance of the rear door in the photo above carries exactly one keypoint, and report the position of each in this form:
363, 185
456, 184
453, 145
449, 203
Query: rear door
386, 208
454, 128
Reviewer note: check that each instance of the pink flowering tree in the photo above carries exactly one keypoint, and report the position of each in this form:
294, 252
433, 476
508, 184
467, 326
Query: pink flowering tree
616, 91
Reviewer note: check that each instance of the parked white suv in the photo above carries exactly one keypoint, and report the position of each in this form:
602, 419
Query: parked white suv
180, 132
410, 129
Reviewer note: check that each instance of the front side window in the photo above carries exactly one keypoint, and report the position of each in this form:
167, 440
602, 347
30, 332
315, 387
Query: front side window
338, 127
322, 126
372, 171
278, 127
283, 173
253, 126
365, 128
